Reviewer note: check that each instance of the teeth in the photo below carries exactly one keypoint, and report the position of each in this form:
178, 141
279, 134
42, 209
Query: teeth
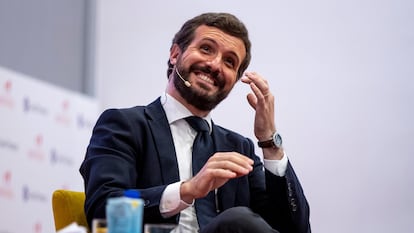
205, 78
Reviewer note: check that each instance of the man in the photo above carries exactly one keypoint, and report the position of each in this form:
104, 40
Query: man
149, 148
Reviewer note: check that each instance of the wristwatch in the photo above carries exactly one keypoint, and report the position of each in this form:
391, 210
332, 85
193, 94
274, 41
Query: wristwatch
275, 142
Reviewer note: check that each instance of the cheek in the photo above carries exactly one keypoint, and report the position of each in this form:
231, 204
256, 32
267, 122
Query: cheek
231, 79
189, 59
191, 53
231, 75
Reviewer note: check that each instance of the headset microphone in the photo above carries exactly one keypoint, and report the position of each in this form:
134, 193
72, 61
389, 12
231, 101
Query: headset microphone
187, 83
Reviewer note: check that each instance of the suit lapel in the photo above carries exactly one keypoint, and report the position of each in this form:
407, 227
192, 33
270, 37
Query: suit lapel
158, 123
164, 144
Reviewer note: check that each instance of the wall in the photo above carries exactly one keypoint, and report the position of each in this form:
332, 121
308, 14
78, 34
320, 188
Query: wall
44, 131
342, 75
49, 40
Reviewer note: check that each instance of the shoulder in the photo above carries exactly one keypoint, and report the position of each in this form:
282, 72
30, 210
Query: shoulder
131, 113
121, 113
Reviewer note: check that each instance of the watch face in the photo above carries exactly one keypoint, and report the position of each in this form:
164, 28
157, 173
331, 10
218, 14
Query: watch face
277, 139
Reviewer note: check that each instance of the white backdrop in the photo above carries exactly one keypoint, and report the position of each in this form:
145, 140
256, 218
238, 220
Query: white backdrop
44, 131
342, 73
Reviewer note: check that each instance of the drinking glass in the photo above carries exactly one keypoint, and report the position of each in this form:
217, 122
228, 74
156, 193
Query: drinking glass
99, 225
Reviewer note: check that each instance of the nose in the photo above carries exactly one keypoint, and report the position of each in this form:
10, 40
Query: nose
215, 63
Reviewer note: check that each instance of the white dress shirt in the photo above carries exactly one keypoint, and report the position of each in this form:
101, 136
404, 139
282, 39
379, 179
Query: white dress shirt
183, 136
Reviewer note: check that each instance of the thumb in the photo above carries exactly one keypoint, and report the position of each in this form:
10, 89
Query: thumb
251, 98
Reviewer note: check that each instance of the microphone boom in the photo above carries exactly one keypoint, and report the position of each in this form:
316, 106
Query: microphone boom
187, 83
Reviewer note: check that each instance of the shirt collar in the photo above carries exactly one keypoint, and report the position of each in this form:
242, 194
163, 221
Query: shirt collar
176, 111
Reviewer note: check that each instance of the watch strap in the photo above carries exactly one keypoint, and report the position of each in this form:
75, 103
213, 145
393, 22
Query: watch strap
266, 144
274, 142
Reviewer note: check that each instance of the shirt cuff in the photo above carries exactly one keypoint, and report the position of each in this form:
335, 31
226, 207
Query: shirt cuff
171, 203
277, 167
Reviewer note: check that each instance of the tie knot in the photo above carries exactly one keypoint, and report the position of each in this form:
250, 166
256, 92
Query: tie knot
197, 123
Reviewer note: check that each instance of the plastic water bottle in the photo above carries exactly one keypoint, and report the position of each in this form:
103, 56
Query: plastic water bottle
124, 214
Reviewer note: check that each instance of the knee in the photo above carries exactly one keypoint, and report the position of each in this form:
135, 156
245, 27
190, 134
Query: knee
238, 212
240, 215
239, 219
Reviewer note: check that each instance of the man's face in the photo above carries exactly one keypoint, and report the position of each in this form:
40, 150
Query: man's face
210, 64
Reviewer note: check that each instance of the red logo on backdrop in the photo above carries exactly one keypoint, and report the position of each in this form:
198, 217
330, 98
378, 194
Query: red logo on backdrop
6, 190
63, 116
39, 140
37, 152
37, 227
7, 177
7, 85
5, 98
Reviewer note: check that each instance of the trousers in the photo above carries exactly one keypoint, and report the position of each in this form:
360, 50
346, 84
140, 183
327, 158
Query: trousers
238, 220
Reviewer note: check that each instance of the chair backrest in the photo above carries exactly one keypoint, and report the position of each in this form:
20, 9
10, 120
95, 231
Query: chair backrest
68, 208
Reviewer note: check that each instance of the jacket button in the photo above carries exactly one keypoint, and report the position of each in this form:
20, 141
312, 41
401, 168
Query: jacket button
293, 204
289, 186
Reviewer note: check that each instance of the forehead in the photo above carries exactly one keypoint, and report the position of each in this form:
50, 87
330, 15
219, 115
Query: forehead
225, 41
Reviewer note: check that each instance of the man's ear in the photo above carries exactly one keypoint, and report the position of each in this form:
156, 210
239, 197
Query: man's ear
175, 51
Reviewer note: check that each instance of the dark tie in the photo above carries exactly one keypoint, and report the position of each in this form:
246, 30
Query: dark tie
203, 148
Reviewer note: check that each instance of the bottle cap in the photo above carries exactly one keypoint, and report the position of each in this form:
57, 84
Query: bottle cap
132, 193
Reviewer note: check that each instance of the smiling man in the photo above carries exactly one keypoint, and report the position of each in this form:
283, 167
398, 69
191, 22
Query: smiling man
190, 171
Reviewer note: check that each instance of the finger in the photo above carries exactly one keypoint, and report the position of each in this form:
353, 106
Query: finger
251, 98
257, 92
233, 156
259, 82
233, 161
258, 85
233, 167
223, 175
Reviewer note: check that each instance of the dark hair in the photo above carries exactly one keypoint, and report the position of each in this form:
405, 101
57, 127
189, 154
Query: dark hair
226, 22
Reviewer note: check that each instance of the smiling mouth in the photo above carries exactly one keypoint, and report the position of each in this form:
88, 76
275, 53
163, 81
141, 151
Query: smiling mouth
205, 78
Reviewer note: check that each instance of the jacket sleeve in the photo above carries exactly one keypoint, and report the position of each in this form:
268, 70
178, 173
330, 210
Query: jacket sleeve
113, 163
279, 200
296, 205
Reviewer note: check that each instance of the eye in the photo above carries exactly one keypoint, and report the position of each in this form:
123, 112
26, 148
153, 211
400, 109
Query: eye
229, 62
205, 49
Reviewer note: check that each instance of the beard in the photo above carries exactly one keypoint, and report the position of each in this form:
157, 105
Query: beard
197, 96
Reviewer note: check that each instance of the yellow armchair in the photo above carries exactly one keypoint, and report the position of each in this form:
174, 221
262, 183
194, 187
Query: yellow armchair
68, 208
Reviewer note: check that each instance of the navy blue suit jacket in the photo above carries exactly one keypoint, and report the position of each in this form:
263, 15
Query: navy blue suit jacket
133, 149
